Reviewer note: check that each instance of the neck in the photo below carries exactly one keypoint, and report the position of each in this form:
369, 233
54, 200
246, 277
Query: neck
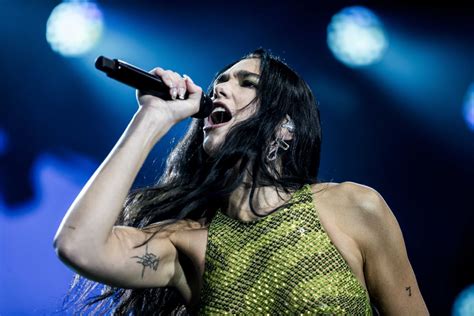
265, 200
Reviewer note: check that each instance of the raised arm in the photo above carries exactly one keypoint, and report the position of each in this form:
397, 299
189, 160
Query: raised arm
87, 240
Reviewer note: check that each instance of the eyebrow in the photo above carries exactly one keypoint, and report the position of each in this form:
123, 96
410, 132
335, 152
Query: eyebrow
238, 74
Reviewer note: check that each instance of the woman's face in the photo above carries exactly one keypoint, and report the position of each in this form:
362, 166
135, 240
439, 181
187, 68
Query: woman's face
234, 91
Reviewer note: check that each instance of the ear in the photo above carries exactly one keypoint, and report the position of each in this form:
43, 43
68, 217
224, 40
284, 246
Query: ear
286, 129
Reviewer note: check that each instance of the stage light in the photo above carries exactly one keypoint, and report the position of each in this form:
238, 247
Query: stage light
464, 303
468, 109
73, 28
355, 36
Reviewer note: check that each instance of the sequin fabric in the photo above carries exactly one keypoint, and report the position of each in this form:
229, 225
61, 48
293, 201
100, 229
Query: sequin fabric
284, 263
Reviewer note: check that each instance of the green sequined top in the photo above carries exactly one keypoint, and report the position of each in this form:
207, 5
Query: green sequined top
284, 263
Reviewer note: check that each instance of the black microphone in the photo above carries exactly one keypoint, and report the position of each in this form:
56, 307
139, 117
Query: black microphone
145, 82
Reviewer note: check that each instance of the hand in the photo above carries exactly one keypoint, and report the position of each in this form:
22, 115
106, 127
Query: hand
176, 109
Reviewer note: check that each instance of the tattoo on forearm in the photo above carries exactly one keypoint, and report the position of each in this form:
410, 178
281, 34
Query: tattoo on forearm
408, 289
71, 227
148, 260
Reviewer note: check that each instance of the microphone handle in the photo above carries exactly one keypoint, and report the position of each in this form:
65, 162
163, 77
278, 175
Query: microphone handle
145, 82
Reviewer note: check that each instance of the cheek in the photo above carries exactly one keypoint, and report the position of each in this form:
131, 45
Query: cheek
246, 112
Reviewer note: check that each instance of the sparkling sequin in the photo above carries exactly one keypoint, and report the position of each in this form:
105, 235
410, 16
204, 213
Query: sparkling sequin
284, 263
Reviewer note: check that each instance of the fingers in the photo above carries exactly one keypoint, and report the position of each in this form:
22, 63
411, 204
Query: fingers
193, 89
173, 80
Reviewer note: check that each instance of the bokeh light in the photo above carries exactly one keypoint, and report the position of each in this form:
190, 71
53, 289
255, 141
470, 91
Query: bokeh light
73, 28
468, 109
356, 37
464, 303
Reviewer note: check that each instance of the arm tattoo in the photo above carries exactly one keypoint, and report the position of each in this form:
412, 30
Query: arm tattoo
148, 260
408, 289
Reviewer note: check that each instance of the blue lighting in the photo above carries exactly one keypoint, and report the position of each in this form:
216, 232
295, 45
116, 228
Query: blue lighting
73, 28
356, 37
464, 303
468, 109
57, 180
3, 142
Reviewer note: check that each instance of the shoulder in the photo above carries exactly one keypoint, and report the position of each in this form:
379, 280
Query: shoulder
358, 197
361, 213
359, 209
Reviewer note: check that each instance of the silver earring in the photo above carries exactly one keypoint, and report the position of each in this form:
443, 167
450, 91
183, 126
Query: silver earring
279, 142
289, 125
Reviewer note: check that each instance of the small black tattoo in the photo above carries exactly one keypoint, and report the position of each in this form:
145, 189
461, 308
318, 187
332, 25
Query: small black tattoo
148, 260
408, 288
71, 227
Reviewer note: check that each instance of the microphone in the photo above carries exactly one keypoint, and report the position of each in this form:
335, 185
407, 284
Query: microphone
145, 82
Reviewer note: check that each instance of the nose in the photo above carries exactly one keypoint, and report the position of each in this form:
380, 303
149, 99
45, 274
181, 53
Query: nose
221, 90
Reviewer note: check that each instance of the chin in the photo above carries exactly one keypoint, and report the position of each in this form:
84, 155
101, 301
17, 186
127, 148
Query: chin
213, 140
210, 147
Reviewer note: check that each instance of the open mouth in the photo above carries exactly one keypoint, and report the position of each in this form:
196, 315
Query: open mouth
219, 115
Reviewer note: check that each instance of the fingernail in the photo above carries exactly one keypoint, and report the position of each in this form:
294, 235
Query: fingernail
181, 93
174, 93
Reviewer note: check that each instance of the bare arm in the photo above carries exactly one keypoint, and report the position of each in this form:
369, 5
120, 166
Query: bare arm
389, 276
87, 239
121, 263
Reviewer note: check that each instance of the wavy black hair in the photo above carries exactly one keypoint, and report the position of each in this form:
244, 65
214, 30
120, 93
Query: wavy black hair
195, 185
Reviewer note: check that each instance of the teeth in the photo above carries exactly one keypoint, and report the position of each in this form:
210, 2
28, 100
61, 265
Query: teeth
218, 109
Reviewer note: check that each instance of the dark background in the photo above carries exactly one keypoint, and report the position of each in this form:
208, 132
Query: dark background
396, 126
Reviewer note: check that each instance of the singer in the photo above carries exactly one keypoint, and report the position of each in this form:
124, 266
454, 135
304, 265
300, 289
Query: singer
239, 222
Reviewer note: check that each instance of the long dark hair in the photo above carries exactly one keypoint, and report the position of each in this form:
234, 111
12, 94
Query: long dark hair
194, 185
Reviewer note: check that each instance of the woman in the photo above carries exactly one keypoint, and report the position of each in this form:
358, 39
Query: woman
238, 223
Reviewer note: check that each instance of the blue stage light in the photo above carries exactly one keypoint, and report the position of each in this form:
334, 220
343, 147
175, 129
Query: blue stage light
356, 37
468, 109
464, 303
73, 28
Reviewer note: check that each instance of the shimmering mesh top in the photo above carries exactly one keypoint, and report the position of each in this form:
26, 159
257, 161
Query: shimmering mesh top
283, 263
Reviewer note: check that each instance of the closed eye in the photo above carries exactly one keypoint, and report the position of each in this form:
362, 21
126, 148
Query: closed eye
249, 83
